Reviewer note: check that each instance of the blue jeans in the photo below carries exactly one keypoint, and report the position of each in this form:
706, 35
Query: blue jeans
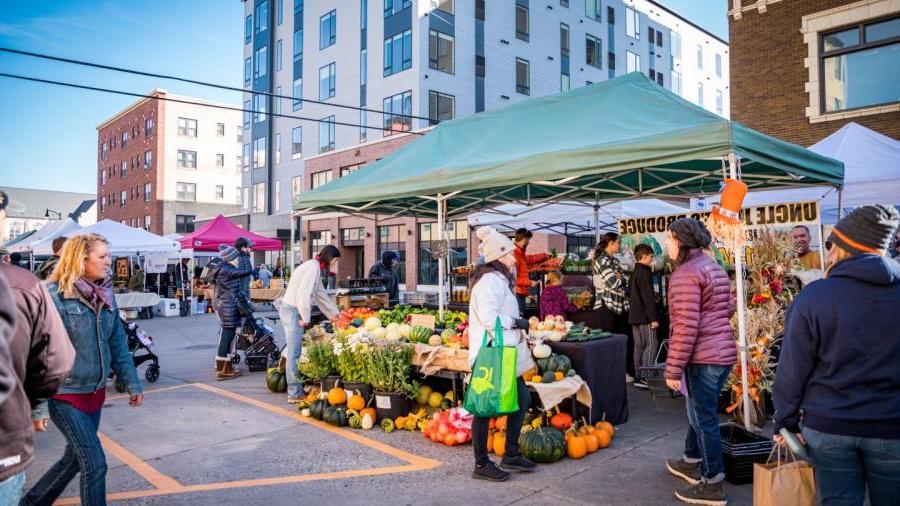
293, 335
846, 465
704, 441
11, 489
83, 454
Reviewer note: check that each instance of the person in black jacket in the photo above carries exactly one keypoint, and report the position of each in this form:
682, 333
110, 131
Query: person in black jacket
228, 293
387, 270
642, 317
47, 267
837, 386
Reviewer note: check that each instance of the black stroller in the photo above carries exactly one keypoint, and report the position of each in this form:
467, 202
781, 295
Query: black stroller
139, 340
257, 341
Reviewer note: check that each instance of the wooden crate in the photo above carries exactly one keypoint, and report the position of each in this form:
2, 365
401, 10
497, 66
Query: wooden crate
371, 301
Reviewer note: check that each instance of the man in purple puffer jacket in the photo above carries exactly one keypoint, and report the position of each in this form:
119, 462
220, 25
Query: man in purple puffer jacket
702, 352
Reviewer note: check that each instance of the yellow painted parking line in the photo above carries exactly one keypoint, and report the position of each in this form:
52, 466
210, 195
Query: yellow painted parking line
166, 485
151, 391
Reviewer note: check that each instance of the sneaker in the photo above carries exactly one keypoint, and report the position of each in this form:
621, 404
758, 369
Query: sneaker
490, 472
640, 384
519, 464
628, 378
688, 472
710, 494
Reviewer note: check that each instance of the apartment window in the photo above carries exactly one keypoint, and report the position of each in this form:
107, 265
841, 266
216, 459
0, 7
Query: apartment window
247, 113
632, 23
363, 66
239, 163
397, 53
245, 197
259, 198
363, 14
124, 168
298, 45
440, 51
350, 169
123, 196
259, 152
277, 100
327, 76
320, 178
220, 129
440, 107
262, 17
699, 56
279, 12
187, 159
240, 134
393, 238
397, 111
261, 62
326, 134
186, 191
523, 77
392, 7
659, 38
659, 79
593, 10
148, 192
184, 224
443, 5
296, 186
611, 61
248, 66
279, 50
298, 94
479, 10
700, 94
720, 102
147, 222
296, 142
148, 127
104, 148
220, 160
248, 29
564, 3
103, 203
522, 22
859, 65
363, 130
187, 127
328, 29
277, 197
593, 51
632, 62
277, 149
564, 39
247, 157
103, 177
260, 108
318, 240
718, 65
124, 139
148, 159
565, 82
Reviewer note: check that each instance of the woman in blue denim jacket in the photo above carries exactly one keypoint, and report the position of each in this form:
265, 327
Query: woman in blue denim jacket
82, 292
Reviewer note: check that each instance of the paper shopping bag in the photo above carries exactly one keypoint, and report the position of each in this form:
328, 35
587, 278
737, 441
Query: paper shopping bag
783, 482
493, 390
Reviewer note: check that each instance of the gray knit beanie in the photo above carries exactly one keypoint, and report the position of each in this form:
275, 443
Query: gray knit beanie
228, 253
868, 229
691, 233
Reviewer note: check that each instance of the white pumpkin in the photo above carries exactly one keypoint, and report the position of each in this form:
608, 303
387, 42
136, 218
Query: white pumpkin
367, 422
380, 332
405, 330
393, 326
372, 323
435, 340
305, 412
392, 335
541, 351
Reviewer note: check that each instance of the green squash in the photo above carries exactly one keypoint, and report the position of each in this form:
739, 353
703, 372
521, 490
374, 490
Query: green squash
446, 404
335, 415
353, 419
543, 445
559, 363
317, 408
276, 380
548, 377
543, 364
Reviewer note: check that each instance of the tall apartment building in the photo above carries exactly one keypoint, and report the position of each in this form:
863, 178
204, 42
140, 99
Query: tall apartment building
434, 60
162, 164
823, 64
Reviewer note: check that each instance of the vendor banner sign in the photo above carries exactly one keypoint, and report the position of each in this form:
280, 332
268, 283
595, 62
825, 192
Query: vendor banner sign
800, 219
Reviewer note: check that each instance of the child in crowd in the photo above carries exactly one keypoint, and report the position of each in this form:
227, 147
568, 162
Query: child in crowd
642, 316
554, 300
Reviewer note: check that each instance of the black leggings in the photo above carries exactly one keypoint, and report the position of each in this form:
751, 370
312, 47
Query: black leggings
225, 340
481, 426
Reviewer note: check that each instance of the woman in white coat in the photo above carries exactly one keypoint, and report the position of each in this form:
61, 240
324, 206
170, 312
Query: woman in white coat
493, 297
305, 287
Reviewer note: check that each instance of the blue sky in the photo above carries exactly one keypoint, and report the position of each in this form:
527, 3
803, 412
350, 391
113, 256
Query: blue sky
47, 133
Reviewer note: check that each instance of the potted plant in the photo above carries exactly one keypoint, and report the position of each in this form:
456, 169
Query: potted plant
320, 365
350, 361
388, 369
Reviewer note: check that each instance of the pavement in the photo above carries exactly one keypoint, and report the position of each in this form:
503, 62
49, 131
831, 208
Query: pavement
199, 441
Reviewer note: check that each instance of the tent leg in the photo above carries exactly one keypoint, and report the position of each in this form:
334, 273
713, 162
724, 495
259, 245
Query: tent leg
742, 311
293, 234
442, 210
596, 221
840, 203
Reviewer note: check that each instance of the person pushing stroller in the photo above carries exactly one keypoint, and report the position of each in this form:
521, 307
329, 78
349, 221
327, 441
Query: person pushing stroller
228, 297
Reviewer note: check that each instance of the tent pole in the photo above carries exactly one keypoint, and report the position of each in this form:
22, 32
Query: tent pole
441, 216
596, 218
840, 203
293, 232
741, 309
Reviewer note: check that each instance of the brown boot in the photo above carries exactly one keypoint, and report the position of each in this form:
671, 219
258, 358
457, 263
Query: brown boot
220, 364
227, 371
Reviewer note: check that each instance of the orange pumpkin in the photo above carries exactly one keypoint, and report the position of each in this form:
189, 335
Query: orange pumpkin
576, 446
605, 426
562, 421
356, 402
559, 376
490, 441
337, 396
500, 443
593, 443
500, 423
603, 437
492, 425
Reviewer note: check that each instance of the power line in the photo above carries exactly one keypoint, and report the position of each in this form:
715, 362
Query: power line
194, 81
215, 106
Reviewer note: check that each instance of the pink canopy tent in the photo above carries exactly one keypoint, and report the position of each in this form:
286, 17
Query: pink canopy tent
221, 231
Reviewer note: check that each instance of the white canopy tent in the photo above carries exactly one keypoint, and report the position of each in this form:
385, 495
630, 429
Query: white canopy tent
130, 241
40, 242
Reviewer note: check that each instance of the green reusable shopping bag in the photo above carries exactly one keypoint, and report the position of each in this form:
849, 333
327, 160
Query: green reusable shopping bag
492, 389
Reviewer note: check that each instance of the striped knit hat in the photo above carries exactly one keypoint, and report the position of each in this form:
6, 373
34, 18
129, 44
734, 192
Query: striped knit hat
868, 229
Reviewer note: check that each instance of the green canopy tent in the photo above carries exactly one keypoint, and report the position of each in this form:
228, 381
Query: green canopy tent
621, 139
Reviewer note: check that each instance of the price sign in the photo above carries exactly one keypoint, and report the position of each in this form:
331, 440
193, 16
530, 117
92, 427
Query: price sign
422, 320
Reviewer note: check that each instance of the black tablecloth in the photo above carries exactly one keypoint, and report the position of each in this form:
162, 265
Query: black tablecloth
601, 364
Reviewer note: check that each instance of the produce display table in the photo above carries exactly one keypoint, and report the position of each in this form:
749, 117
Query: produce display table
265, 294
602, 365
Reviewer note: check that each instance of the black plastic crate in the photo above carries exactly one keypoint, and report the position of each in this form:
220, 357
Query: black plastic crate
740, 450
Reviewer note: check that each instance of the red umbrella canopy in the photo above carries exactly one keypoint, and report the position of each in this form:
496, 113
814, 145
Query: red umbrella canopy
221, 231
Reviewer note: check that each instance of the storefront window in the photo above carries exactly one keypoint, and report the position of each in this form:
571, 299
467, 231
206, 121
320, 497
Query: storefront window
317, 241
457, 234
393, 238
580, 245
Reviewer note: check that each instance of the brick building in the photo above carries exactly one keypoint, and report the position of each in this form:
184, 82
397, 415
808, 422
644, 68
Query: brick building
802, 69
162, 164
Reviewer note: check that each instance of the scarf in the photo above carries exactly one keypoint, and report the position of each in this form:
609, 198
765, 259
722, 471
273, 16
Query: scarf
96, 294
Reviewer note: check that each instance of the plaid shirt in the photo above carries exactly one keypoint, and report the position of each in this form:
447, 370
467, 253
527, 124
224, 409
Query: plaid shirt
609, 284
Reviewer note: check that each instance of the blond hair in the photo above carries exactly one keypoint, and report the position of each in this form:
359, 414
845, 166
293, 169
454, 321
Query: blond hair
554, 276
832, 259
71, 261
